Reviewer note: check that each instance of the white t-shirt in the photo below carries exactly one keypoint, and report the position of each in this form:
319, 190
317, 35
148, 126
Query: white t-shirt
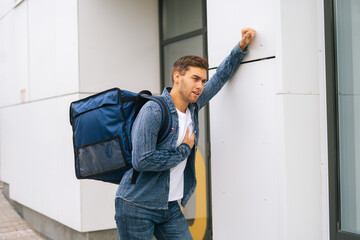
176, 190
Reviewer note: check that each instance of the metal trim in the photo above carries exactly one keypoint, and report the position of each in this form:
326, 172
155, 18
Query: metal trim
333, 124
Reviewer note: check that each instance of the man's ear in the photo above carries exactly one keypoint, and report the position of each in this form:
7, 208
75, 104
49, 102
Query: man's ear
176, 77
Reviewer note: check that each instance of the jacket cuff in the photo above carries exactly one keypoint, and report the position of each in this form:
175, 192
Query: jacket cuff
237, 50
185, 150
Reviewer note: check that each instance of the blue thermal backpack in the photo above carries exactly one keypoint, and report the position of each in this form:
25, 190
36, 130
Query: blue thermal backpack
101, 126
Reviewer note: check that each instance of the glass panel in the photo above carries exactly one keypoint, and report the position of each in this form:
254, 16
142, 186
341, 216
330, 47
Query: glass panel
190, 46
181, 16
348, 61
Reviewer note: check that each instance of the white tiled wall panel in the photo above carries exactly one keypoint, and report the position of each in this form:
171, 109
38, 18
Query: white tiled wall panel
37, 158
226, 18
299, 46
13, 57
119, 45
66, 47
53, 63
244, 155
21, 72
42, 29
303, 167
98, 205
5, 7
39, 166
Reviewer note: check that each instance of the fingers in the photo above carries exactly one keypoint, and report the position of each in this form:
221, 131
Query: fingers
189, 140
192, 140
248, 38
246, 30
192, 137
248, 35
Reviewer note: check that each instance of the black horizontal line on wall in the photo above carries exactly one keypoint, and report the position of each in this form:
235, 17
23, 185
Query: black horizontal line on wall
250, 61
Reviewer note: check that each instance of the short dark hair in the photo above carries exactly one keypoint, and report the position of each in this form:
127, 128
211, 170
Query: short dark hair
182, 64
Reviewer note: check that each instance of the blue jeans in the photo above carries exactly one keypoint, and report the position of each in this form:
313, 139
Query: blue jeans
135, 222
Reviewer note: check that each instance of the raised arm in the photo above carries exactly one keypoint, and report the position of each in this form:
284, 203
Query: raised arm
227, 68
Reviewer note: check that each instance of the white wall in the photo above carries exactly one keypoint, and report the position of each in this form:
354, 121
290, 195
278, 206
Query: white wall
119, 45
273, 151
303, 93
38, 51
225, 20
247, 200
39, 79
53, 43
13, 54
245, 163
37, 161
5, 7
44, 66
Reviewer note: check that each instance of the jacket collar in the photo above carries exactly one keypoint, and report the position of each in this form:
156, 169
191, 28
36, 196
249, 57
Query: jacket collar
168, 99
170, 102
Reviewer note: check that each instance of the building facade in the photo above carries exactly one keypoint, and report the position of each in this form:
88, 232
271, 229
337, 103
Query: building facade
285, 165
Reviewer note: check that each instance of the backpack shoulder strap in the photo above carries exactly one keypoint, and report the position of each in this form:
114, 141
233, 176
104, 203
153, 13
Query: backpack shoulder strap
166, 119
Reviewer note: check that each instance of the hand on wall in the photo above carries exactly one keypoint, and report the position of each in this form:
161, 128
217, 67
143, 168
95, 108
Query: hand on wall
248, 35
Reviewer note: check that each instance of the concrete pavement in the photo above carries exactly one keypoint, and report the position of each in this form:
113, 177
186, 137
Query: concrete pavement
12, 226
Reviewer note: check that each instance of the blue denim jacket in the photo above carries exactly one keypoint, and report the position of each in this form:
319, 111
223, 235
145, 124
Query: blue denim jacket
154, 160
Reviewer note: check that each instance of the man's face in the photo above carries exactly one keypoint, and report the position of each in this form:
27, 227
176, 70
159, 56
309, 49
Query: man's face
191, 84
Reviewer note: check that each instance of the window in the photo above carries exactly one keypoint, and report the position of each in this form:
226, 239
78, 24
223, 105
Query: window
183, 32
342, 20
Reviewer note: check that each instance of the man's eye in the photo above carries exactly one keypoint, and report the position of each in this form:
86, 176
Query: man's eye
203, 81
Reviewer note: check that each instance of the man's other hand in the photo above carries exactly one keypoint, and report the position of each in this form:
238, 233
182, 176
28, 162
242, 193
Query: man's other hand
248, 35
189, 140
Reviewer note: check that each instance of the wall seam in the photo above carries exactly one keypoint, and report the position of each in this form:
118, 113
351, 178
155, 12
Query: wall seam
78, 91
28, 50
45, 99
